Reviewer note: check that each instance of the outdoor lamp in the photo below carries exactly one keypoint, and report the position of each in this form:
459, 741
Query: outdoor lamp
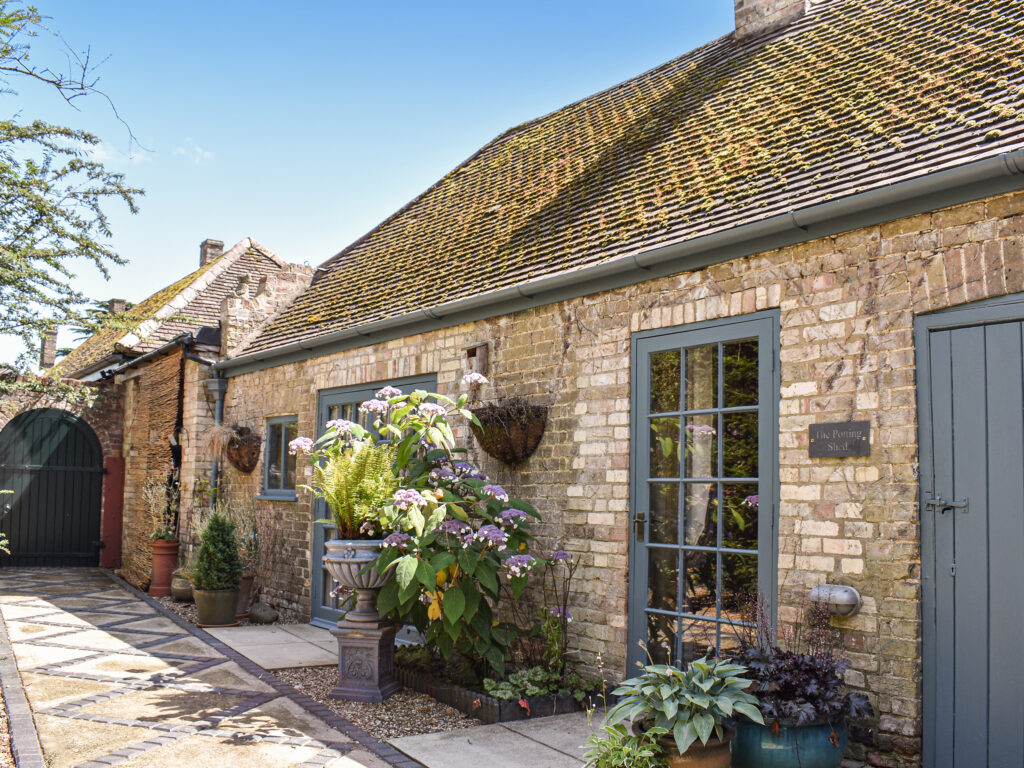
840, 599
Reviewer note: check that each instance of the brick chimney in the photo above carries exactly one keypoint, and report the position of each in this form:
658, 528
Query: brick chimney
210, 250
48, 352
755, 17
116, 306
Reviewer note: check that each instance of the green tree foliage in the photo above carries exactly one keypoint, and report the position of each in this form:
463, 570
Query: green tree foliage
217, 564
52, 192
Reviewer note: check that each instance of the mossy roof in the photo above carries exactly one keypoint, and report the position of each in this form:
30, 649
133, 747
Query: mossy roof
202, 308
857, 94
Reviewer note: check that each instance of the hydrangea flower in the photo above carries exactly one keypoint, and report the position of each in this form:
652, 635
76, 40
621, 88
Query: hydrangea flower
396, 539
560, 555
303, 445
454, 527
433, 409
751, 500
492, 536
374, 406
406, 497
473, 379
344, 426
496, 491
367, 527
519, 564
442, 475
701, 429
511, 516
388, 392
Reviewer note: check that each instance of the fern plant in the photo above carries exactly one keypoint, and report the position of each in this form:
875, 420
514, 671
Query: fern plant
357, 482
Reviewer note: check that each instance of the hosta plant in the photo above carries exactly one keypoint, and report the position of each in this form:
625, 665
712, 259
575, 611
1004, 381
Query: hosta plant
689, 703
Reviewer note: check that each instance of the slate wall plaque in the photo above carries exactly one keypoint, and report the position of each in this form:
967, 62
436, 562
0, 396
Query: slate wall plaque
840, 439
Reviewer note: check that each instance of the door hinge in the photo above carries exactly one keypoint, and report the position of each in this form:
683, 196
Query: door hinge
941, 505
952, 570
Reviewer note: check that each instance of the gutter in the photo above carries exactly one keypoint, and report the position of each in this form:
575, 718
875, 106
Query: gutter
973, 181
184, 340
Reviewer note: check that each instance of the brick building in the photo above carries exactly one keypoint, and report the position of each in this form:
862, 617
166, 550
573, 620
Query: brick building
814, 220
148, 367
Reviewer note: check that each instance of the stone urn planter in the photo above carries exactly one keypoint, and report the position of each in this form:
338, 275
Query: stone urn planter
816, 744
715, 754
366, 641
216, 607
165, 560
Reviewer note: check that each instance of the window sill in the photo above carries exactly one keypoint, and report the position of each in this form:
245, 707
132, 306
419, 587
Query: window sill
277, 497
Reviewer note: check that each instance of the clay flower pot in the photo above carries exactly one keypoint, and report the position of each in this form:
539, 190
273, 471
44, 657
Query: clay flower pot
165, 560
715, 754
216, 607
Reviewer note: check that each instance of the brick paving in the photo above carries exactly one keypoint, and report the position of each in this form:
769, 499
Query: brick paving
105, 676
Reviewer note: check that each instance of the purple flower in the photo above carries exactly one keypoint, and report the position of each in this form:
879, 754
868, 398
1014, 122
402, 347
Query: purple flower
496, 491
303, 445
560, 555
701, 429
512, 516
433, 409
466, 470
343, 593
473, 379
751, 500
406, 497
344, 426
561, 612
396, 539
492, 536
442, 475
519, 564
454, 527
388, 392
367, 527
374, 406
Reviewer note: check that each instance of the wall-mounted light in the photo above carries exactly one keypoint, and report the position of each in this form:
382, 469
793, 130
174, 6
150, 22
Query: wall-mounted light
840, 599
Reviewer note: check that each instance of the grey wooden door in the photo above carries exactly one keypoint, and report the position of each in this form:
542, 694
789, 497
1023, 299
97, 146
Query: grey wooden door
971, 400
342, 403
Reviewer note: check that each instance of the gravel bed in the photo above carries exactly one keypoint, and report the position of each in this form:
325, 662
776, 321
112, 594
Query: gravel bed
407, 713
6, 759
188, 612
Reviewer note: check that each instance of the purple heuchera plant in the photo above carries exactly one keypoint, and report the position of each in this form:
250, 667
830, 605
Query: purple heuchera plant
801, 687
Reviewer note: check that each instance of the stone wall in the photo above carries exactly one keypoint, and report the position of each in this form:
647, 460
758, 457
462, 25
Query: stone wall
847, 305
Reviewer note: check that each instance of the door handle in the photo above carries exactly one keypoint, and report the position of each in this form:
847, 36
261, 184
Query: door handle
638, 525
940, 504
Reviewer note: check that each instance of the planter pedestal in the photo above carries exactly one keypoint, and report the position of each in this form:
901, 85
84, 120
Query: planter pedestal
366, 642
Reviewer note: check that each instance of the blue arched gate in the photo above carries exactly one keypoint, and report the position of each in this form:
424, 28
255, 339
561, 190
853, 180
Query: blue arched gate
53, 463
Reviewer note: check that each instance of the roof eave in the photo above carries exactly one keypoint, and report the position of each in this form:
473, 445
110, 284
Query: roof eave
971, 181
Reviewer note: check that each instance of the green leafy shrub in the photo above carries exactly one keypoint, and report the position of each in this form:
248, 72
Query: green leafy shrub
690, 704
357, 480
535, 681
217, 564
618, 748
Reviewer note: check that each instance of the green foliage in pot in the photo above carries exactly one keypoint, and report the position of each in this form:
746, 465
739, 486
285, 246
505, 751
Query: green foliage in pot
357, 481
618, 748
690, 704
217, 564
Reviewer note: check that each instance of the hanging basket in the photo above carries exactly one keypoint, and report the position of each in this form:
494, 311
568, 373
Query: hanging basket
510, 430
243, 449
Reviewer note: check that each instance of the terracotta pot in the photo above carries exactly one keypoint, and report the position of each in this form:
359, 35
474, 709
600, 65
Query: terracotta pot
714, 754
244, 595
181, 588
165, 560
216, 607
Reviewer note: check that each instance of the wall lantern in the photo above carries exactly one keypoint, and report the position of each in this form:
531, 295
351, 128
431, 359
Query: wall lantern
840, 599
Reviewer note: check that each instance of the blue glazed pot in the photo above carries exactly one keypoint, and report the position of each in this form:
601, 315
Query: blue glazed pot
795, 746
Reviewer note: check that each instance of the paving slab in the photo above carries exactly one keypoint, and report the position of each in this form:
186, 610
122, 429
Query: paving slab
124, 682
566, 733
493, 746
282, 647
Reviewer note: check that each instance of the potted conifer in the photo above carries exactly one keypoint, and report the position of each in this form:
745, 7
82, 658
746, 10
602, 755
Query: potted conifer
216, 573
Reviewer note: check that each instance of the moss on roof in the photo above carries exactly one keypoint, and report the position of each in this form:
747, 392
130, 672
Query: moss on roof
855, 95
103, 343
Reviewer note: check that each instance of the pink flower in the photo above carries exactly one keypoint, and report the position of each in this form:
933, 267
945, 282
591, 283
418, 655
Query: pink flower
374, 406
303, 445
473, 379
388, 392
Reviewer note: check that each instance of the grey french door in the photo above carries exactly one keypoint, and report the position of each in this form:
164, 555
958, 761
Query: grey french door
971, 416
342, 403
704, 474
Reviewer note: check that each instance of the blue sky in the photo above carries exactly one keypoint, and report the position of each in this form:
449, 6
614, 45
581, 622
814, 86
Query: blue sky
305, 126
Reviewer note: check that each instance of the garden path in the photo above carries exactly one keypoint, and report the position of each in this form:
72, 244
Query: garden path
112, 680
